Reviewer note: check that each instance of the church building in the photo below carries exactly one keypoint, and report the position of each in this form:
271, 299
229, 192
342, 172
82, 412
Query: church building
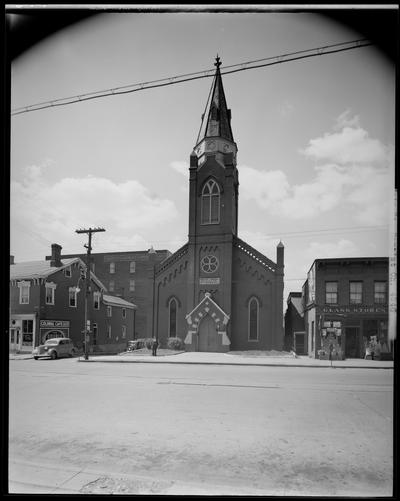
217, 292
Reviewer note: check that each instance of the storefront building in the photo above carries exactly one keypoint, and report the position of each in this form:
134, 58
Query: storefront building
346, 307
47, 300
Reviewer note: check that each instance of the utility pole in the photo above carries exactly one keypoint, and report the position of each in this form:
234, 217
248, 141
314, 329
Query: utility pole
88, 246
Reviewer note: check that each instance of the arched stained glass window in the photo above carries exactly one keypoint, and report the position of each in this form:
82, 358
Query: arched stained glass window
210, 203
253, 319
172, 317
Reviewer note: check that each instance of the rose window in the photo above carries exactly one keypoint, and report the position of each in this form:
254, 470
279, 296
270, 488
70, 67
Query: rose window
209, 264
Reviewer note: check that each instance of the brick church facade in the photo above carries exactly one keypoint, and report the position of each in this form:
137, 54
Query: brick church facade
216, 292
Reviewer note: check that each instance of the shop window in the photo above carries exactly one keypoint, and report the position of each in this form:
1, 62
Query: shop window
27, 332
132, 267
331, 292
253, 319
380, 289
172, 317
24, 288
356, 292
210, 202
112, 267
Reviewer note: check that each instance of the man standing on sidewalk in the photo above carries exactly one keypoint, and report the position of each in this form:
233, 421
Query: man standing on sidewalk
155, 346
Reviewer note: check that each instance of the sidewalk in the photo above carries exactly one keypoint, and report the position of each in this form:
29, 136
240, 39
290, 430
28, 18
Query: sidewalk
228, 359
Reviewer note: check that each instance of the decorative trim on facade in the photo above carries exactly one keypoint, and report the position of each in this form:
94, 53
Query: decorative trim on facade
172, 296
254, 254
207, 304
164, 265
173, 273
253, 271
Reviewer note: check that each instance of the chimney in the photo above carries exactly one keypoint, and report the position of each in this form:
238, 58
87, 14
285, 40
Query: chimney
12, 260
55, 255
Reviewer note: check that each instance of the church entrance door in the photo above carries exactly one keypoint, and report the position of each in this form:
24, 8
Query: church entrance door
208, 340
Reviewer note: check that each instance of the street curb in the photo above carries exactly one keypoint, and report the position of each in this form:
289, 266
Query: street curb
239, 364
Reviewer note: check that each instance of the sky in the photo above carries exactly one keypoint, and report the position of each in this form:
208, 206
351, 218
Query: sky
315, 137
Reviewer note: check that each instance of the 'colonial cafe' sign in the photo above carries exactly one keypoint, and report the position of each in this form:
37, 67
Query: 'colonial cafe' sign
52, 324
354, 309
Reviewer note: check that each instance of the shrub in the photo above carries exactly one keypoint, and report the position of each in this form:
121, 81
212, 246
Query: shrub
175, 343
149, 343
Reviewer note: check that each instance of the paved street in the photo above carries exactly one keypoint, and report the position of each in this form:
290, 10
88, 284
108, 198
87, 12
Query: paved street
199, 429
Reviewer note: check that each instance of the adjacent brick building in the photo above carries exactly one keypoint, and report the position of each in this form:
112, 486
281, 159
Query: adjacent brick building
47, 300
130, 276
346, 305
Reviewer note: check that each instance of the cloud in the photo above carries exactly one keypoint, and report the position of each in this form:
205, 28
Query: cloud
181, 167
346, 120
350, 145
126, 210
351, 173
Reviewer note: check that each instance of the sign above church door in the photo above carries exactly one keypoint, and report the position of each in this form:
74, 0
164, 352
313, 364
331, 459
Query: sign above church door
209, 281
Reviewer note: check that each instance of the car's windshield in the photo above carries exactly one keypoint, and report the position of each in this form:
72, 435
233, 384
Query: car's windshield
51, 341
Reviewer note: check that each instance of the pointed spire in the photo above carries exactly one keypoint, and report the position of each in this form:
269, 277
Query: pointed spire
217, 117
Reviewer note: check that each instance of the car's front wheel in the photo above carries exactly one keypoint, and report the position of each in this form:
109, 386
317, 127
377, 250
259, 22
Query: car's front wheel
53, 355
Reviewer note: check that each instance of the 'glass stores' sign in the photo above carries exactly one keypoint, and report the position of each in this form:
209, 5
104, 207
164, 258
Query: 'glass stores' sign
355, 309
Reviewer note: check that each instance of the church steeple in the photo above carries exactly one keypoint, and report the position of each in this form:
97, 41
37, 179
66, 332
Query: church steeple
215, 135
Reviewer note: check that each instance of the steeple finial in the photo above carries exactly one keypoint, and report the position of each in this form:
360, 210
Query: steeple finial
218, 62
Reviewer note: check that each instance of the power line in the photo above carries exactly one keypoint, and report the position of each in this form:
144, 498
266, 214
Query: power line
248, 65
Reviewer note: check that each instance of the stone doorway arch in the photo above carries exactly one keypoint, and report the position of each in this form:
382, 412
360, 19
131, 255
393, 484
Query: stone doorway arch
207, 327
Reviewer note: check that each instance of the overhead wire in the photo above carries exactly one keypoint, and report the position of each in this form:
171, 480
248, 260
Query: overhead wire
272, 60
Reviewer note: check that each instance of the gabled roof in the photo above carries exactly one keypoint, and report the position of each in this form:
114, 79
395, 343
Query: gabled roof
41, 269
118, 301
38, 269
298, 304
216, 120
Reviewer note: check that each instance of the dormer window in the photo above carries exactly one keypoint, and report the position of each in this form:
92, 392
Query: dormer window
210, 201
67, 271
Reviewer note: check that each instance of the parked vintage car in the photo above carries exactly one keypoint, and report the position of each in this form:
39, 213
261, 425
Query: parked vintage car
55, 348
